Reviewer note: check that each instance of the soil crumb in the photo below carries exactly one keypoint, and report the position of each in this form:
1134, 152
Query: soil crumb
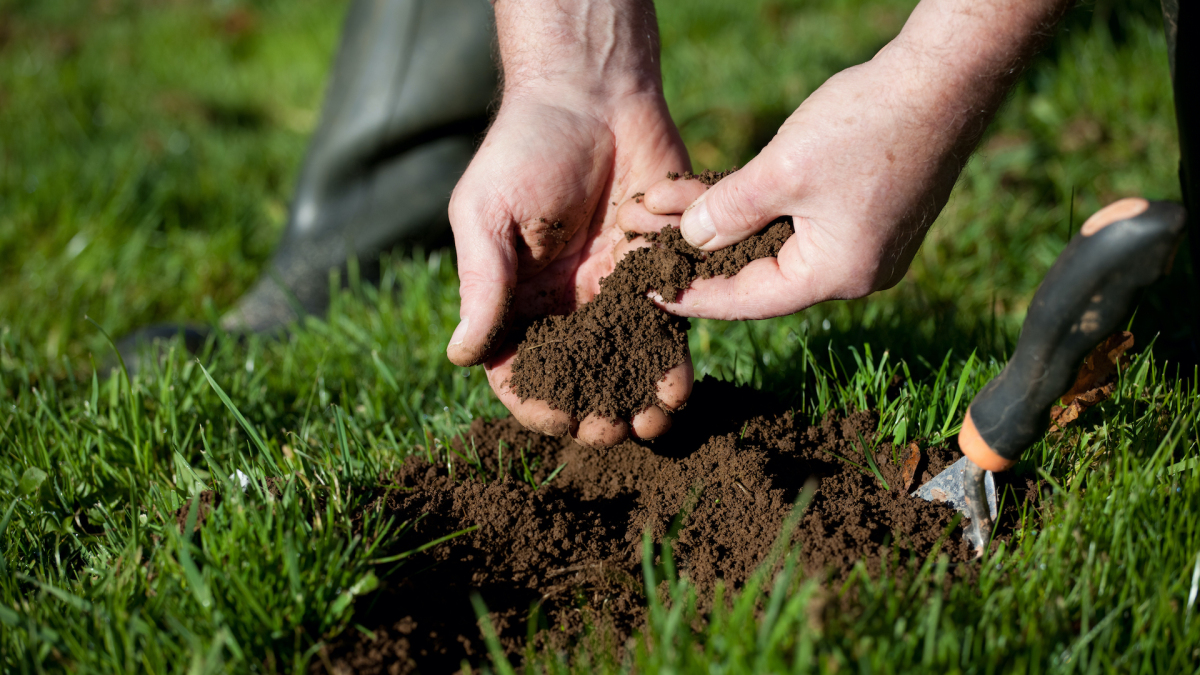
563, 562
707, 176
607, 357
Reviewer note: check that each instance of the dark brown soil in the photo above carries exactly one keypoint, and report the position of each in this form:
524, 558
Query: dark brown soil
607, 356
571, 550
208, 501
679, 263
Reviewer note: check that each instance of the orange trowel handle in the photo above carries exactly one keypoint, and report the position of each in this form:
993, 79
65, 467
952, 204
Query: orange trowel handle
1086, 295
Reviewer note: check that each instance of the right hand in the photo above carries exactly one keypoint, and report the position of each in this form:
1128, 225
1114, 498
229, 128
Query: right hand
860, 182
863, 166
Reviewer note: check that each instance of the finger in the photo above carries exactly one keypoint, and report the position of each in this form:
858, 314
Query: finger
633, 217
672, 196
600, 432
626, 246
765, 288
595, 262
487, 271
650, 423
676, 386
733, 209
742, 297
531, 413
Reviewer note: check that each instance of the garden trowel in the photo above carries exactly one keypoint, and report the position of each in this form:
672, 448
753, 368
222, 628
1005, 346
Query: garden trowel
1087, 294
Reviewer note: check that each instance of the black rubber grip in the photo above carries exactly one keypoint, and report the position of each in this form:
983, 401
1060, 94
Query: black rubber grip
1087, 294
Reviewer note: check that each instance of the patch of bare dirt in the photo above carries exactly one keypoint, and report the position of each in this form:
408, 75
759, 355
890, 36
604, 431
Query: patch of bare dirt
568, 555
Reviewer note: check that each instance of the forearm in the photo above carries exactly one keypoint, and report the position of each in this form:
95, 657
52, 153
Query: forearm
607, 48
956, 59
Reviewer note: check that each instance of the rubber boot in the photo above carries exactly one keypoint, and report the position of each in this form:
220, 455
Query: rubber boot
1170, 311
405, 106
408, 99
1182, 26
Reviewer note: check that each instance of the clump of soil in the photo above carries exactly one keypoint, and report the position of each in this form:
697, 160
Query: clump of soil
676, 263
205, 505
568, 555
607, 356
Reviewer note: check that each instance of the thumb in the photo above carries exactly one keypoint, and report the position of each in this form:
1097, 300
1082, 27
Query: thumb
732, 210
487, 272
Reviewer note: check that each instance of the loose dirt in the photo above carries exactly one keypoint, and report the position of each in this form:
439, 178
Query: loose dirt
707, 176
551, 561
607, 356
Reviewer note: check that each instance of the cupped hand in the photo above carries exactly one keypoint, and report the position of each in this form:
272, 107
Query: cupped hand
534, 220
861, 172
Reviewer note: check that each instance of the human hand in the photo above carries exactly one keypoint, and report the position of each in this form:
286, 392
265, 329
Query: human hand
860, 187
534, 225
863, 166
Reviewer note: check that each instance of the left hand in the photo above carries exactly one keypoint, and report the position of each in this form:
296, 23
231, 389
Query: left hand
553, 158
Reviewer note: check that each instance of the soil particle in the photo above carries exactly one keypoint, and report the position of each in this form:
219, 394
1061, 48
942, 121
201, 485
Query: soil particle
205, 504
707, 176
568, 555
607, 357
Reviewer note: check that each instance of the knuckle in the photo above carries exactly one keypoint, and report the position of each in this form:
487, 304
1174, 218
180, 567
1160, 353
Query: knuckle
456, 210
464, 208
790, 164
472, 208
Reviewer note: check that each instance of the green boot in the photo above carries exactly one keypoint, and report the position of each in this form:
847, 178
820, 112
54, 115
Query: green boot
407, 103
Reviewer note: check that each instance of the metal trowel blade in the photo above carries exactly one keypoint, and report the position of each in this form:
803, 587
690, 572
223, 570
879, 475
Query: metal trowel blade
947, 487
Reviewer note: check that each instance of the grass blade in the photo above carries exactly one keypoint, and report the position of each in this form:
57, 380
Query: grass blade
958, 394
250, 430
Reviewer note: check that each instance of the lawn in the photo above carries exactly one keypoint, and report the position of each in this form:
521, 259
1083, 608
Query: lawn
147, 152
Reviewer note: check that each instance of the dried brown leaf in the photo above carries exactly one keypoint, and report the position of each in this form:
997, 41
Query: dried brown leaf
1096, 381
908, 470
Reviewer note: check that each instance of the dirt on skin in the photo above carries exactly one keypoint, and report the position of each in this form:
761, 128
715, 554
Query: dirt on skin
607, 356
707, 176
571, 550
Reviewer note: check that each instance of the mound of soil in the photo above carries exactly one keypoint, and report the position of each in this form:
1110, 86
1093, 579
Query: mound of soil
552, 561
607, 356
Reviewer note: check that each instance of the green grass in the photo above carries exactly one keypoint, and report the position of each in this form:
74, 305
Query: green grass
146, 156
1104, 577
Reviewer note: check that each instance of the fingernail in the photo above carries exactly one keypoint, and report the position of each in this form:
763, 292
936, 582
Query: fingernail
696, 226
460, 333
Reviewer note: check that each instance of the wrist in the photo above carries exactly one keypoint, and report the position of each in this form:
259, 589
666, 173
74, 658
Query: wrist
975, 47
593, 49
